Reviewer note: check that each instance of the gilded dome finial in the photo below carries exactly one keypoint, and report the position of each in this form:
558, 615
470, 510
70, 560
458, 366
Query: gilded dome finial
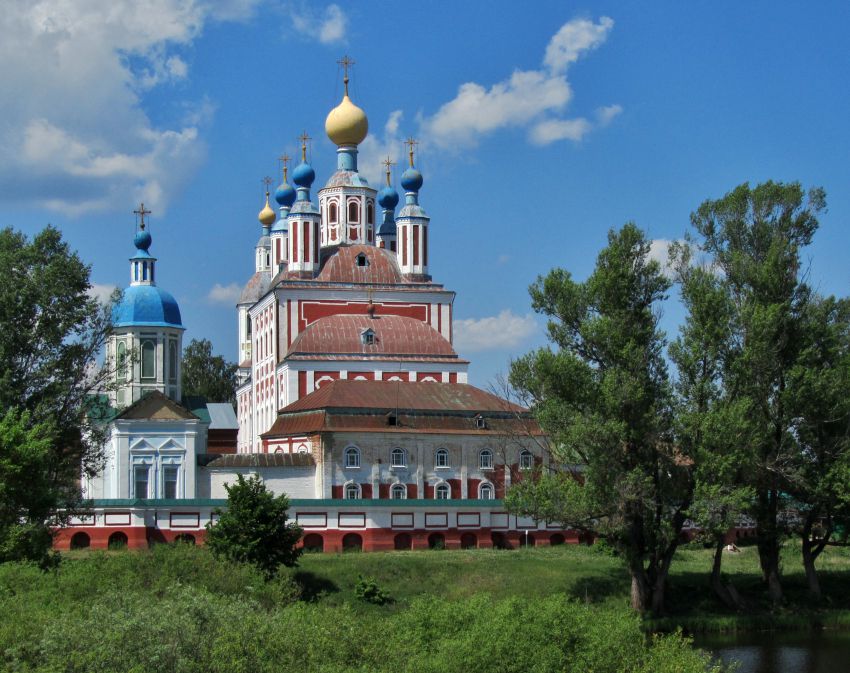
266, 216
346, 124
304, 138
411, 143
346, 62
389, 163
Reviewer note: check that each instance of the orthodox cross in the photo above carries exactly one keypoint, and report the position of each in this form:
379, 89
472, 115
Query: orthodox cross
346, 62
388, 163
304, 138
411, 143
141, 212
284, 160
267, 181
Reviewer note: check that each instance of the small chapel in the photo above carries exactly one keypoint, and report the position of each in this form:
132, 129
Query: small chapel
351, 398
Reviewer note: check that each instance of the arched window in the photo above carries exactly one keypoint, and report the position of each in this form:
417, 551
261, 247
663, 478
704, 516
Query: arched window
441, 458
485, 460
352, 491
352, 457
148, 359
398, 458
370, 213
121, 360
526, 460
443, 491
333, 213
485, 491
398, 492
354, 210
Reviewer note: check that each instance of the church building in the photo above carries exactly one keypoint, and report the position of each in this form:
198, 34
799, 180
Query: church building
351, 397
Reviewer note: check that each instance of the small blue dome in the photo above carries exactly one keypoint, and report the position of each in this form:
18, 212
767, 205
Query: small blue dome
146, 305
411, 180
142, 239
388, 198
303, 175
284, 194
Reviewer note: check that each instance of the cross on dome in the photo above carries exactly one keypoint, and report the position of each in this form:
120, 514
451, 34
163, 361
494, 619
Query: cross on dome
411, 143
284, 160
304, 138
346, 62
141, 212
388, 163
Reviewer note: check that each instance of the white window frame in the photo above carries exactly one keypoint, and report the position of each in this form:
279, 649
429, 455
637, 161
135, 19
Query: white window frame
148, 468
166, 468
485, 459
442, 487
352, 458
147, 341
526, 460
353, 487
486, 486
400, 489
398, 451
443, 454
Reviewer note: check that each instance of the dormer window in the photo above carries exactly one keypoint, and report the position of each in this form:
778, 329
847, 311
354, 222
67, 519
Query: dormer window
392, 419
480, 423
367, 337
361, 260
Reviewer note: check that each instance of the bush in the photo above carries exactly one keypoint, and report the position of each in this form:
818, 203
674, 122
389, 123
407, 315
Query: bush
367, 590
254, 528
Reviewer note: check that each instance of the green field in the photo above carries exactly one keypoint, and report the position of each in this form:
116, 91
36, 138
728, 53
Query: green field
177, 608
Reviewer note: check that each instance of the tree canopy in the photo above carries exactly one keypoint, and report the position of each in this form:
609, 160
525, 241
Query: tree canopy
52, 332
255, 528
603, 395
207, 375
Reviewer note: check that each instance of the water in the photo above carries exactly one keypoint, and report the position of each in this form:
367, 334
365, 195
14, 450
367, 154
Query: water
769, 652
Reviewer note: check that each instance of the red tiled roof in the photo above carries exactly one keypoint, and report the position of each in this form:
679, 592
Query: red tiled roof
447, 408
390, 395
394, 335
342, 267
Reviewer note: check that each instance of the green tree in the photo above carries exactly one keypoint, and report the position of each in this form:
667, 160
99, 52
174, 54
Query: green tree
603, 396
254, 528
207, 375
753, 238
52, 332
709, 425
819, 389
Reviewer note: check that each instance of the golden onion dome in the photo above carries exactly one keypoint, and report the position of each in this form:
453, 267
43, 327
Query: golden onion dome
267, 216
346, 123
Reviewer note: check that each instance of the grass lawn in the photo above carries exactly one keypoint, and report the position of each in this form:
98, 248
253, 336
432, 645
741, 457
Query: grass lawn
585, 574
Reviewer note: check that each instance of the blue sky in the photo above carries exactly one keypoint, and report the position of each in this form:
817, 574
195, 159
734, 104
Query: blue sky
542, 126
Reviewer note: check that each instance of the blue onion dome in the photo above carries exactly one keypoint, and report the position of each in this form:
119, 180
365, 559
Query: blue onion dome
388, 198
285, 194
303, 175
146, 305
411, 180
142, 240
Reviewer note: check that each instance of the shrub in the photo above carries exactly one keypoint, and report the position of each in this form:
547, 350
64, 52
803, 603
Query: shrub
367, 590
254, 528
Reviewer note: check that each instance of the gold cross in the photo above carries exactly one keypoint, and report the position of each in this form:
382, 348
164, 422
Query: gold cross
411, 143
346, 62
304, 138
388, 163
141, 212
284, 159
267, 181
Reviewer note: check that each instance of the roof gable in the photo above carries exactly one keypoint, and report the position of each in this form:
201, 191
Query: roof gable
156, 406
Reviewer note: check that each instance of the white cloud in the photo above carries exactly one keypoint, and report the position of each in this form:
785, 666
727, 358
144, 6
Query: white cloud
605, 115
528, 98
101, 291
373, 150
224, 294
71, 98
328, 27
659, 250
573, 39
505, 330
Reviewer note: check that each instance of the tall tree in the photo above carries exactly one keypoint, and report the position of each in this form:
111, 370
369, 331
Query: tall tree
710, 426
819, 390
52, 332
602, 394
207, 375
753, 237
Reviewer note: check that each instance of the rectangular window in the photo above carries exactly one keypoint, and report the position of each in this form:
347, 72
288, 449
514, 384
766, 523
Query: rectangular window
425, 246
295, 255
149, 359
403, 246
169, 481
172, 361
316, 243
141, 474
416, 245
306, 241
